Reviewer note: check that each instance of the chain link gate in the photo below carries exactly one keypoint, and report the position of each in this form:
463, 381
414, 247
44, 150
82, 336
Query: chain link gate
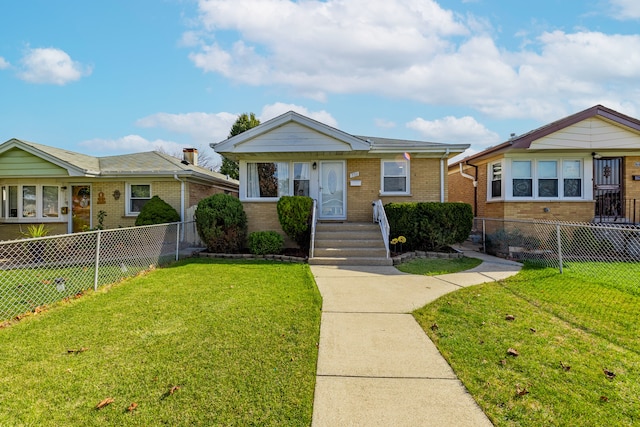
37, 272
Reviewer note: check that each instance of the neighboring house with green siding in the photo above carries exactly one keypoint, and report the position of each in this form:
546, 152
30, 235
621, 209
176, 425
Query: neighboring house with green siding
67, 190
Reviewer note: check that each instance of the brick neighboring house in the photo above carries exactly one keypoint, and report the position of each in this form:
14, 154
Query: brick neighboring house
582, 168
295, 155
67, 190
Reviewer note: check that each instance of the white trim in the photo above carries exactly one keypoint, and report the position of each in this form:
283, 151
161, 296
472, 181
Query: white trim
407, 177
39, 208
127, 200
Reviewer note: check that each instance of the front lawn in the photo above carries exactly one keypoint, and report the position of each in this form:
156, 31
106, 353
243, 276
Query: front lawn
202, 342
543, 348
437, 266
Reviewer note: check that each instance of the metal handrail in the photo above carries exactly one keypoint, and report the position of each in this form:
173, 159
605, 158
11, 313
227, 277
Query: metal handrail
313, 228
380, 217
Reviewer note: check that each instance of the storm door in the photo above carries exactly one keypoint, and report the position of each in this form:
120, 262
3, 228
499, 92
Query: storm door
332, 190
607, 189
81, 207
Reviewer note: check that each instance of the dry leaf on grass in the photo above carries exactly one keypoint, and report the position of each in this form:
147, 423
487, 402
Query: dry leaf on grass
604, 399
521, 392
609, 374
510, 317
513, 352
105, 402
434, 327
567, 368
77, 350
132, 407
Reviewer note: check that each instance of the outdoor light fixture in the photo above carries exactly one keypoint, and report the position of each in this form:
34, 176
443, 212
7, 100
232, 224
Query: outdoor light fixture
596, 155
315, 165
116, 194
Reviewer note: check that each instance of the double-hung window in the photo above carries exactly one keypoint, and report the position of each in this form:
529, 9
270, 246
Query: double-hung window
547, 178
137, 196
395, 176
572, 178
522, 179
30, 202
301, 179
495, 170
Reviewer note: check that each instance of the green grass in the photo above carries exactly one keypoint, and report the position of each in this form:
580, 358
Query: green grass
238, 338
586, 323
436, 266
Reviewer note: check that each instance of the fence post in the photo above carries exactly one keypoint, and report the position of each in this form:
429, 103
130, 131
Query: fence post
559, 235
484, 237
97, 266
178, 241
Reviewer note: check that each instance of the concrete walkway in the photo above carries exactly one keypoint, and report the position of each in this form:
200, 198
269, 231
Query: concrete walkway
376, 366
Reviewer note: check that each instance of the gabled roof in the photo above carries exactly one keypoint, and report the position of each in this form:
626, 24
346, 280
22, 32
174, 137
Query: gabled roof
239, 144
232, 143
143, 164
525, 140
75, 163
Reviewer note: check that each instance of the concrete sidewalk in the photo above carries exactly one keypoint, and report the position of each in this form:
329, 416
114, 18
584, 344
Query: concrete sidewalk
376, 366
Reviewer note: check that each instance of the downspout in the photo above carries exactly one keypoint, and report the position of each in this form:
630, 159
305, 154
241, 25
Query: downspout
446, 154
182, 191
475, 186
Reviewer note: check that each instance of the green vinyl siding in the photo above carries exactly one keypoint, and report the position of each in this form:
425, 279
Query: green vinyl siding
18, 163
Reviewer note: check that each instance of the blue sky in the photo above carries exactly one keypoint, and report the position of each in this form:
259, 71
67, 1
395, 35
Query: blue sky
119, 76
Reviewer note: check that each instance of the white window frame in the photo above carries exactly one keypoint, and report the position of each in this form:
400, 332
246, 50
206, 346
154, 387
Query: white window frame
535, 177
39, 208
407, 176
491, 175
128, 197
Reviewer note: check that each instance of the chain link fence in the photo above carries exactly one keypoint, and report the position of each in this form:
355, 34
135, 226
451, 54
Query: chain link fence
37, 272
592, 248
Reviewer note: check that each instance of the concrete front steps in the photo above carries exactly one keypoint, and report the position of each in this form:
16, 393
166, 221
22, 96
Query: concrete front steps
349, 243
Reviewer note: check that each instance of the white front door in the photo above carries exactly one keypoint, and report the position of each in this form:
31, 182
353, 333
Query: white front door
333, 192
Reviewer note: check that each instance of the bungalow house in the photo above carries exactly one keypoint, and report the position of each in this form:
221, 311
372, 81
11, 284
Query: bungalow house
68, 191
295, 155
582, 168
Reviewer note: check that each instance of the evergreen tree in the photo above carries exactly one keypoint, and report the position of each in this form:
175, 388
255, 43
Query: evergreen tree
243, 123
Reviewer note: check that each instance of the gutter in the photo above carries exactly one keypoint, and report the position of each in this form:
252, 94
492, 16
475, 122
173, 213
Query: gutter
446, 154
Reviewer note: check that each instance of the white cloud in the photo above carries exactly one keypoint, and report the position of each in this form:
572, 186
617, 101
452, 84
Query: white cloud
203, 128
274, 110
625, 9
463, 130
4, 63
384, 124
131, 144
50, 66
414, 49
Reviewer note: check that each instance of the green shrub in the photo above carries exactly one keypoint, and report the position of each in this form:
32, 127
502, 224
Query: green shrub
265, 242
156, 211
294, 214
430, 225
221, 223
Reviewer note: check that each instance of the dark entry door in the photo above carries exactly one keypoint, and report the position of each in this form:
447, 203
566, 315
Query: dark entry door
607, 189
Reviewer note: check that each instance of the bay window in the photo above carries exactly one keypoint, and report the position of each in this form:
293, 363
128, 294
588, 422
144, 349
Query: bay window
546, 179
30, 202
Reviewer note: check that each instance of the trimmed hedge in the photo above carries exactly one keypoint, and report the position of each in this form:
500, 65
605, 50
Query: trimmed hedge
430, 226
265, 243
294, 214
157, 211
221, 223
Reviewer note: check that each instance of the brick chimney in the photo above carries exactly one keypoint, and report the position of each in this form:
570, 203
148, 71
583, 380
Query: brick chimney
190, 155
